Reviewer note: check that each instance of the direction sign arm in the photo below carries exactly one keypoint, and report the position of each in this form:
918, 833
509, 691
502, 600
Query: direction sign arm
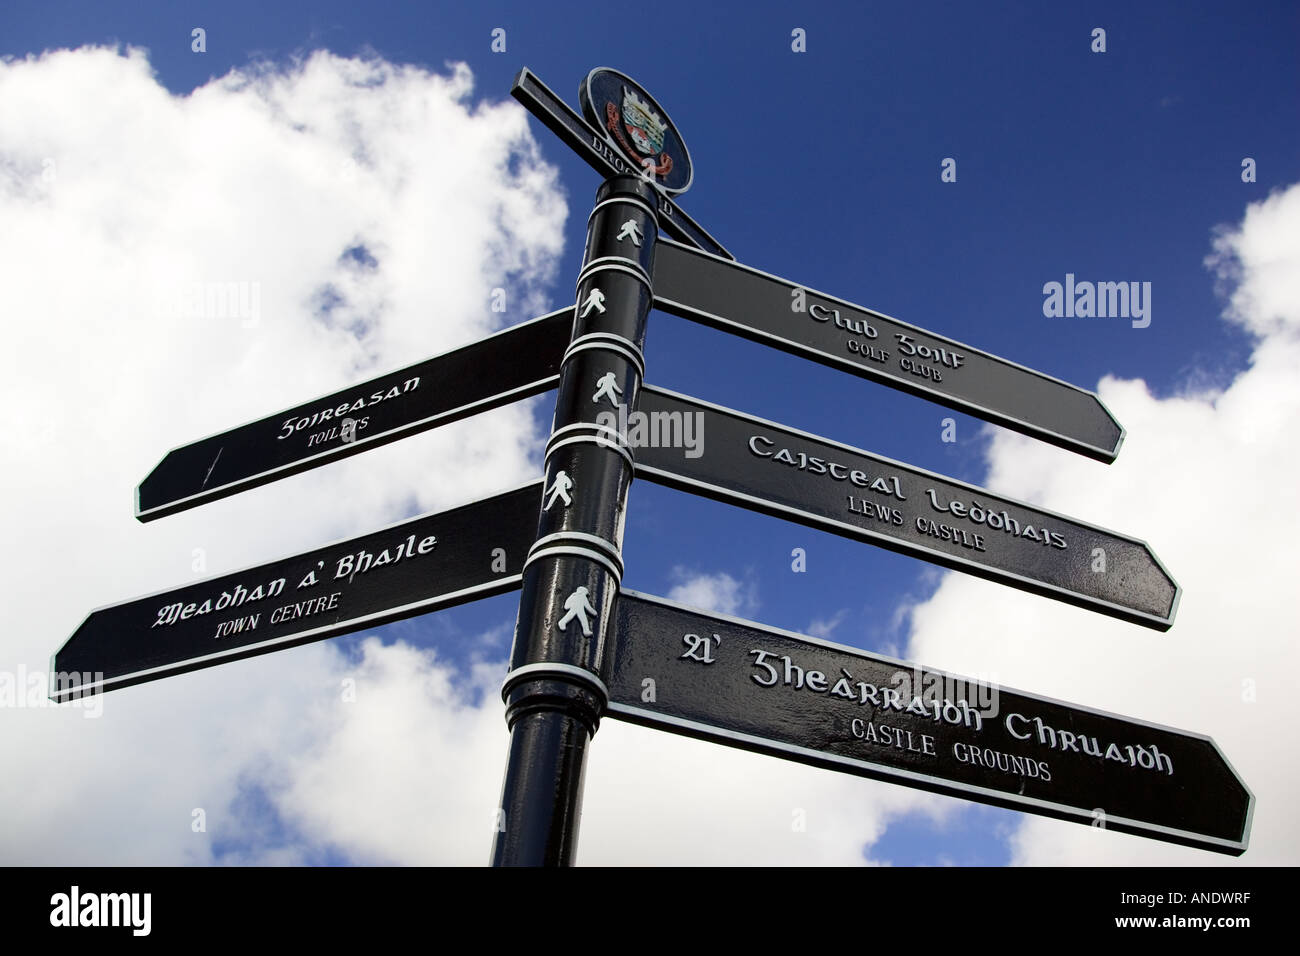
415, 566
560, 118
794, 318
518, 362
791, 474
787, 695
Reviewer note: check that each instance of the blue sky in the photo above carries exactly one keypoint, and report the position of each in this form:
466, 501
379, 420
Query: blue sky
824, 167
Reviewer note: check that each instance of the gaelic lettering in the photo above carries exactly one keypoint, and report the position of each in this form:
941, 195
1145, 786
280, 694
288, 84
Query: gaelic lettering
293, 425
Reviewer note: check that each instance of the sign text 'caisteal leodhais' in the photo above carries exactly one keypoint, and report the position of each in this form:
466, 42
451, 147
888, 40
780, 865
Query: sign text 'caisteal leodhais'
790, 474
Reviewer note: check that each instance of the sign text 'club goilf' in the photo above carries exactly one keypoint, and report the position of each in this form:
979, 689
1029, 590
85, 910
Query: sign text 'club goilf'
585, 647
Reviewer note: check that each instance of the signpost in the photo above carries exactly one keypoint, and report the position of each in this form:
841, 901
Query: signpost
416, 566
741, 684
585, 647
820, 483
519, 362
752, 304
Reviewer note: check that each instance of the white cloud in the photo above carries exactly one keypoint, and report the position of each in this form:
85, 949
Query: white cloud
658, 799
251, 179
118, 199
408, 772
1220, 520
1255, 262
824, 627
1208, 479
112, 190
720, 592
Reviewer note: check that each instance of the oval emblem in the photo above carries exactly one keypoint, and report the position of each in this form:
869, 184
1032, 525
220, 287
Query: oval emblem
637, 128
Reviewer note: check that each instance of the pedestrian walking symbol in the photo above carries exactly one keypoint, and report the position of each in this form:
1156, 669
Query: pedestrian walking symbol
630, 231
606, 388
595, 300
577, 605
560, 488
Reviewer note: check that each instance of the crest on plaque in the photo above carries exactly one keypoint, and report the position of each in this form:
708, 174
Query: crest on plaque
637, 127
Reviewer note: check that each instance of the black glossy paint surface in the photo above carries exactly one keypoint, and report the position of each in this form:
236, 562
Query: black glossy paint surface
141, 640
522, 361
833, 332
1026, 552
1188, 794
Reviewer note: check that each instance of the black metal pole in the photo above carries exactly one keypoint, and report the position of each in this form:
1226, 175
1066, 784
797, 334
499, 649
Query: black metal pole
554, 696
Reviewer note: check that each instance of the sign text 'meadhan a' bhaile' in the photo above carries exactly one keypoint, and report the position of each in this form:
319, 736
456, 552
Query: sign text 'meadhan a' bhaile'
348, 566
420, 565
